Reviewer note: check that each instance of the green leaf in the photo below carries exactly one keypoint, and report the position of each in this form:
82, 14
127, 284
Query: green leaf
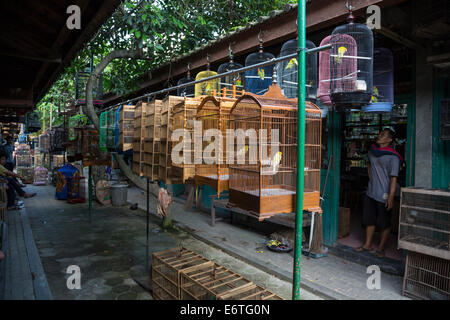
137, 34
144, 17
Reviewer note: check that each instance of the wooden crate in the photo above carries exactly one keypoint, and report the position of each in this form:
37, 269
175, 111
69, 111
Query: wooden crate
140, 112
167, 267
209, 282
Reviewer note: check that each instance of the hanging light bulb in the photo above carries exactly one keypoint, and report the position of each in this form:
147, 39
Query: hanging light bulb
186, 91
232, 83
208, 87
258, 80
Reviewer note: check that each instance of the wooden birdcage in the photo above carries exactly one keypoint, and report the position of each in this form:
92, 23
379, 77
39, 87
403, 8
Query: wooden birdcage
213, 113
262, 178
126, 128
140, 112
91, 151
165, 146
183, 117
152, 124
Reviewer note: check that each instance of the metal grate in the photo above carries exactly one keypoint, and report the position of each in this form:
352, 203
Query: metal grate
425, 222
426, 277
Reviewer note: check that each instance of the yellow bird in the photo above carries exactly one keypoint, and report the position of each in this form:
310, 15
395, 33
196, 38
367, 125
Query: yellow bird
242, 151
276, 161
341, 53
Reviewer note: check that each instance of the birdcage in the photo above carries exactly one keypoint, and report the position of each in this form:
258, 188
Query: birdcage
110, 129
323, 89
44, 142
188, 91
264, 154
40, 176
424, 225
27, 174
75, 122
211, 167
103, 134
258, 80
140, 112
288, 71
23, 149
152, 124
351, 66
58, 160
183, 118
58, 139
165, 145
383, 82
81, 79
206, 87
124, 129
24, 160
232, 84
91, 152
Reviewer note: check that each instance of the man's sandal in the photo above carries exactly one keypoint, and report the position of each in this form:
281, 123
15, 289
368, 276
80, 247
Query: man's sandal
361, 249
380, 253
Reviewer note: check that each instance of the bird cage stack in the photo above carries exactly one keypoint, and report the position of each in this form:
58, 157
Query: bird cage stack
165, 147
183, 117
424, 231
126, 130
213, 113
40, 176
166, 271
152, 132
23, 156
263, 181
138, 138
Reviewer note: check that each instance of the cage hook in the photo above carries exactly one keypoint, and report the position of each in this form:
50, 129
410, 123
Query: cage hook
230, 52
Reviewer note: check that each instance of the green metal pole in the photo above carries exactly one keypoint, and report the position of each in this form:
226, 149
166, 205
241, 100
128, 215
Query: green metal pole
300, 147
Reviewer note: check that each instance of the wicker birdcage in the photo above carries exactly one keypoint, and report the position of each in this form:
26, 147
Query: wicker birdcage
152, 131
58, 161
288, 71
165, 145
206, 87
23, 149
258, 80
124, 129
212, 170
351, 66
40, 176
44, 142
323, 89
383, 82
27, 174
263, 170
24, 160
233, 83
183, 118
91, 152
58, 139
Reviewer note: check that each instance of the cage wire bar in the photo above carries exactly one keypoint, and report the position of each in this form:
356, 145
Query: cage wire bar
301, 56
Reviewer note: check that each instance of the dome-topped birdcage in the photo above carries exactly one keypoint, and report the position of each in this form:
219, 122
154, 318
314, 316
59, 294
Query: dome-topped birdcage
207, 87
258, 80
383, 82
351, 66
232, 83
81, 79
288, 71
323, 90
186, 91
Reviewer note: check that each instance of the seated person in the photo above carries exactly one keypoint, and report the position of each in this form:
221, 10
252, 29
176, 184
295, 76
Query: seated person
12, 185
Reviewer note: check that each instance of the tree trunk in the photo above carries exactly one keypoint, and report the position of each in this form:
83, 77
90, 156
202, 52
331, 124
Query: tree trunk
92, 115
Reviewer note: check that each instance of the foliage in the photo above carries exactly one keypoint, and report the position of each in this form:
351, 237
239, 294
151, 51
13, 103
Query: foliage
165, 29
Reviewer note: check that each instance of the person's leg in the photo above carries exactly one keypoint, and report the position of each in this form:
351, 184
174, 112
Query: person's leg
385, 225
15, 185
369, 221
11, 197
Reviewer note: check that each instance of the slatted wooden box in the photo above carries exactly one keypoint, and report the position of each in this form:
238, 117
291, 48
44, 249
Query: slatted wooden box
210, 281
249, 292
126, 127
167, 267
140, 112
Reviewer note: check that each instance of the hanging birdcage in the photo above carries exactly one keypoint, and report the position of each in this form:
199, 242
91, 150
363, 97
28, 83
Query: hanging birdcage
58, 138
288, 71
258, 80
323, 90
264, 168
44, 142
110, 129
383, 82
351, 66
188, 91
207, 87
103, 134
233, 84
81, 79
124, 128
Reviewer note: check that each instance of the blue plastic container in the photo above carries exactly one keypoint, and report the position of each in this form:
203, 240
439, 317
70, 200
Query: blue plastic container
67, 171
